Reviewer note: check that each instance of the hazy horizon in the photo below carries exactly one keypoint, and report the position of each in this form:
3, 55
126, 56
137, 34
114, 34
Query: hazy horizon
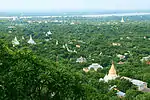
72, 5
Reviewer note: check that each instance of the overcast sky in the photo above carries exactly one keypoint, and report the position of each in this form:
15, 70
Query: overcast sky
58, 5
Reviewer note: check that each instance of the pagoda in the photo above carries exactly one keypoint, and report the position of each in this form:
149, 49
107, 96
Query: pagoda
111, 75
122, 20
49, 32
15, 42
81, 60
31, 41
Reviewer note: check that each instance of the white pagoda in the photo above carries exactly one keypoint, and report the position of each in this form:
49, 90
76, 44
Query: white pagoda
122, 20
49, 32
22, 38
31, 41
57, 42
15, 42
81, 60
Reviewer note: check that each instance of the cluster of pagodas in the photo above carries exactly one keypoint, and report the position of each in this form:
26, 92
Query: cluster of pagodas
112, 75
16, 42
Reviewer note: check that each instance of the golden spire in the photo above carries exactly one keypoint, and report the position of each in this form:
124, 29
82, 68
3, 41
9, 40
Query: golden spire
112, 71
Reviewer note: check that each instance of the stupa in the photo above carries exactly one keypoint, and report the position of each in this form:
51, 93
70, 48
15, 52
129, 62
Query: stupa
15, 42
49, 33
122, 20
111, 75
31, 41
81, 60
22, 38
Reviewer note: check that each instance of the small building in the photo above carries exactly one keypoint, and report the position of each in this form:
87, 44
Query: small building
116, 44
120, 63
120, 94
49, 32
9, 31
121, 38
95, 66
81, 60
47, 40
142, 86
145, 59
31, 41
64, 46
121, 56
85, 70
78, 46
72, 23
128, 37
145, 37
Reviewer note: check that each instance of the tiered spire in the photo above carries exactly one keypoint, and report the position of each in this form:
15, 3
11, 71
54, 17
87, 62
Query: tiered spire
122, 20
112, 71
15, 42
111, 75
31, 41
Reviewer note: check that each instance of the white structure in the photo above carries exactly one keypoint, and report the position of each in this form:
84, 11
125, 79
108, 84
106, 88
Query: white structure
69, 49
119, 93
49, 33
14, 18
85, 70
31, 41
9, 31
140, 84
145, 58
121, 38
64, 46
56, 42
22, 38
45, 22
95, 66
15, 42
128, 37
72, 23
81, 60
112, 74
121, 56
116, 44
100, 53
46, 40
122, 20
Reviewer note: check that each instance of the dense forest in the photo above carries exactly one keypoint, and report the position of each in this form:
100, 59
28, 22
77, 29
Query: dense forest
48, 69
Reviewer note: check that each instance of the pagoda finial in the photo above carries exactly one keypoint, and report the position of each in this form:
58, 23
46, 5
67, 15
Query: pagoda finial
112, 62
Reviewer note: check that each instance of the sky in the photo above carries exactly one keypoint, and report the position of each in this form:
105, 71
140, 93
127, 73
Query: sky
73, 5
